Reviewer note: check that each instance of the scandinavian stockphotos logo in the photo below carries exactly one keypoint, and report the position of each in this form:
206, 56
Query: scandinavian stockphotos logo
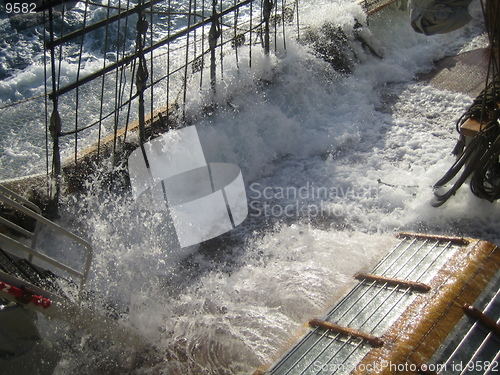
205, 200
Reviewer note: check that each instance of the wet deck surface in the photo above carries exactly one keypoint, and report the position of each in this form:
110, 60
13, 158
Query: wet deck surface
465, 73
409, 324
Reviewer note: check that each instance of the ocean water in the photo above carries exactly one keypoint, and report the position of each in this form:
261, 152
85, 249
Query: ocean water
334, 165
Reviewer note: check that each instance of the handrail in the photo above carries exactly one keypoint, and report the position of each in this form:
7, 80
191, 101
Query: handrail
128, 59
169, 50
83, 275
32, 206
20, 199
87, 29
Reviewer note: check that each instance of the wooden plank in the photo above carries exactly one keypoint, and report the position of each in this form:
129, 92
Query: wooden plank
470, 128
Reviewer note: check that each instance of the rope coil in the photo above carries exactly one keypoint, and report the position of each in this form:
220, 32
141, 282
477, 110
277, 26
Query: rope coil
479, 158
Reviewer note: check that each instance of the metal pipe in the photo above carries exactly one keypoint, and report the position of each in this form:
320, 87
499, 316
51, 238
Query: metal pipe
42, 220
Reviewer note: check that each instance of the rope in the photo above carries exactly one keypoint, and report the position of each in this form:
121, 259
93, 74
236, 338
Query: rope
474, 156
251, 34
46, 113
485, 104
215, 29
55, 124
266, 16
185, 80
141, 78
267, 8
479, 159
214, 33
221, 36
120, 82
202, 62
485, 180
116, 84
22, 101
151, 65
77, 96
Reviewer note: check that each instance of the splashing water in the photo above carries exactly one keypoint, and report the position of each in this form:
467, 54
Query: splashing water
313, 146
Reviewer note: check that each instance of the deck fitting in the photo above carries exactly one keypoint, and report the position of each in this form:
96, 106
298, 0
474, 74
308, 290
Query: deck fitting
421, 287
476, 313
372, 340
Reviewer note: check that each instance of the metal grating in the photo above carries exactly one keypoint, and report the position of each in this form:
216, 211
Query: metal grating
472, 347
370, 307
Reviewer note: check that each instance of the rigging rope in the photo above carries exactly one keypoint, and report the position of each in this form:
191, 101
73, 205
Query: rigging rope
141, 79
55, 123
214, 33
266, 16
125, 75
472, 160
479, 159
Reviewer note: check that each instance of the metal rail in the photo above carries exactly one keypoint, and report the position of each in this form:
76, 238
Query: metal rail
161, 60
106, 22
127, 60
13, 200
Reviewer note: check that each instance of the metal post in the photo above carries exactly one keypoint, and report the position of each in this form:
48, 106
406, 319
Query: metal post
141, 78
55, 131
266, 14
186, 62
213, 35
55, 127
298, 21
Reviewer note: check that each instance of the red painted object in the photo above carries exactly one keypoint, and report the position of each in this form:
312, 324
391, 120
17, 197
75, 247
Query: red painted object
25, 296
